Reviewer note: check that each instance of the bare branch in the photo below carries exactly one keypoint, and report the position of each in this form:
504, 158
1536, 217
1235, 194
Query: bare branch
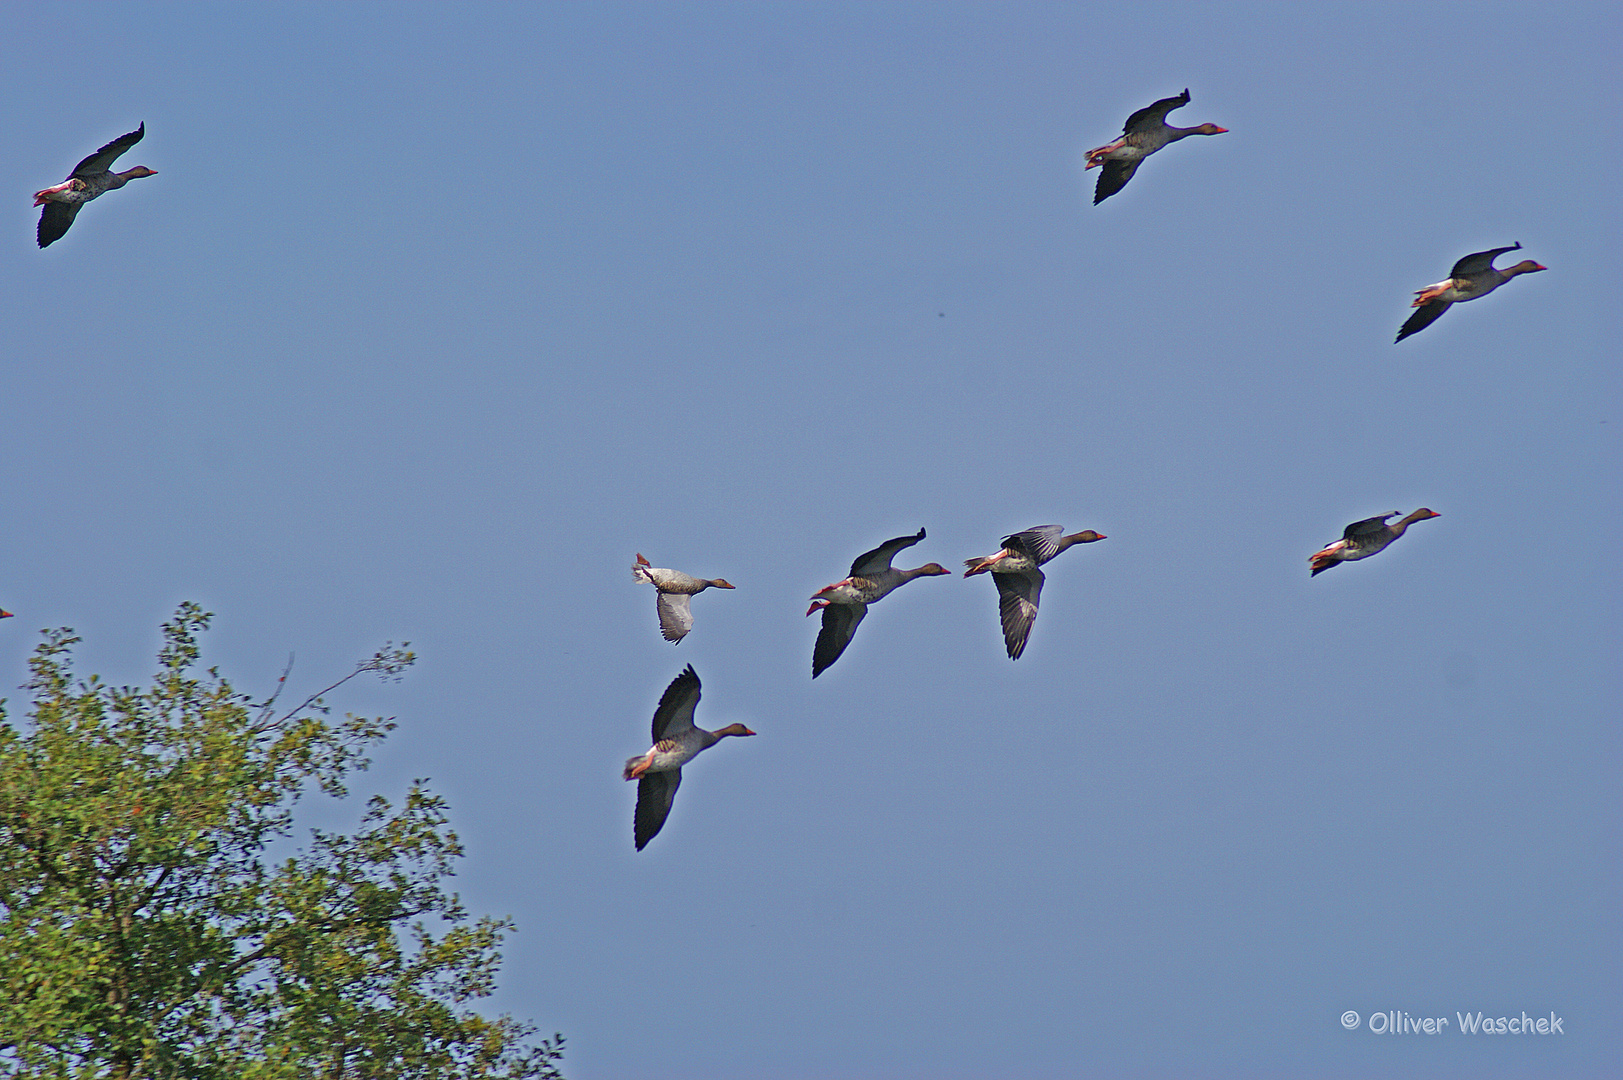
388, 662
281, 684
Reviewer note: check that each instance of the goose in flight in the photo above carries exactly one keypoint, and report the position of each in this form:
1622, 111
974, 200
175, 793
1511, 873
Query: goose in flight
844, 603
1019, 582
1146, 132
676, 742
1472, 277
1364, 538
675, 588
90, 179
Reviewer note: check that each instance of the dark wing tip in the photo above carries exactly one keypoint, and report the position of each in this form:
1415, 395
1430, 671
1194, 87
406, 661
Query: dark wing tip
683, 682
821, 661
1367, 526
1422, 318
839, 627
54, 221
1112, 178
103, 159
1479, 261
1017, 600
656, 792
1152, 116
673, 700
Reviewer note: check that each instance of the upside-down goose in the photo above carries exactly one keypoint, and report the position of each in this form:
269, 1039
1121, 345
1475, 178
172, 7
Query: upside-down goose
88, 180
844, 603
1146, 132
1019, 582
1364, 538
676, 742
675, 587
1472, 276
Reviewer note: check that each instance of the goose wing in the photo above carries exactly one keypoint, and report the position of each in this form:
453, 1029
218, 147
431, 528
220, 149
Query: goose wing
1113, 177
877, 560
839, 625
1041, 542
103, 159
1017, 596
675, 617
655, 793
1424, 316
1479, 261
675, 712
1153, 116
1362, 530
54, 221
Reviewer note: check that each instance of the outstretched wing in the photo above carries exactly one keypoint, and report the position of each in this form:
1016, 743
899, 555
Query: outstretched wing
103, 159
1113, 177
1153, 116
54, 221
878, 559
655, 793
1479, 261
1359, 530
1424, 316
1017, 596
839, 625
675, 617
675, 712
1041, 542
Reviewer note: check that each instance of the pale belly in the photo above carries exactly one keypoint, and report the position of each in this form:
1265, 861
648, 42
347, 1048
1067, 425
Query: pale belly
674, 758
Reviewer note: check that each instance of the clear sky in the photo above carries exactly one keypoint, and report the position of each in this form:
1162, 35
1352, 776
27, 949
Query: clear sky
434, 316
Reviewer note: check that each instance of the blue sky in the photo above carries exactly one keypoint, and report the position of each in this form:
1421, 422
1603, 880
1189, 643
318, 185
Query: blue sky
435, 316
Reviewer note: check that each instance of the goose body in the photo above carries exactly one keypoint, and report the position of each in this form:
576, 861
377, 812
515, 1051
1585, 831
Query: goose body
1146, 132
675, 588
676, 742
1364, 538
1019, 581
90, 179
845, 603
1472, 277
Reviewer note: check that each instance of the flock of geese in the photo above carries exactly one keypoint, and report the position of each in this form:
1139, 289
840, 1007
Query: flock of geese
1015, 567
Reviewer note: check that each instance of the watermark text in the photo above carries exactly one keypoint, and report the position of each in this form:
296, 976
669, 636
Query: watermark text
1398, 1022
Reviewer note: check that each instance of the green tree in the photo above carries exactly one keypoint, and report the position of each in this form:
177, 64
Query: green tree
146, 933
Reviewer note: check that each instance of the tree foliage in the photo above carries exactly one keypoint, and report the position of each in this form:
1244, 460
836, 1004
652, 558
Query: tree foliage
146, 933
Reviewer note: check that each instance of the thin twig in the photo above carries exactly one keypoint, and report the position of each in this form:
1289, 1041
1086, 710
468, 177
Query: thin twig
281, 684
